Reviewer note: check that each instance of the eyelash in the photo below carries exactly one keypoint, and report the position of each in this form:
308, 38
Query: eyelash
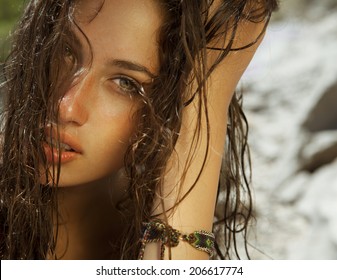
137, 87
69, 56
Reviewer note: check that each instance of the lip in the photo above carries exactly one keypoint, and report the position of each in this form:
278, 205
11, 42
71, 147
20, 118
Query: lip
63, 156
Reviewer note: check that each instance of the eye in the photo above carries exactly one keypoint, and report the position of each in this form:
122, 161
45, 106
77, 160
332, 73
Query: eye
69, 55
67, 51
126, 85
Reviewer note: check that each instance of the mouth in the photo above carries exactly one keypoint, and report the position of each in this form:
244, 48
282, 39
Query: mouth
62, 151
62, 147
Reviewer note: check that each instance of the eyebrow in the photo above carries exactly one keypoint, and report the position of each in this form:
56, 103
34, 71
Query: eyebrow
130, 65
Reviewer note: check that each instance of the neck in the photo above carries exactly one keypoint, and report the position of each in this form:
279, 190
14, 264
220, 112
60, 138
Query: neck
89, 225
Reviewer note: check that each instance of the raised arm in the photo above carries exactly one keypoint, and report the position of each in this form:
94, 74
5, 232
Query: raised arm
198, 163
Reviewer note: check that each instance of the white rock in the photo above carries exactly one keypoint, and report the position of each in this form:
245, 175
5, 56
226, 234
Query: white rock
296, 210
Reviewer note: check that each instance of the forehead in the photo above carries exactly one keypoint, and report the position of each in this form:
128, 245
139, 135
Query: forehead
141, 11
127, 27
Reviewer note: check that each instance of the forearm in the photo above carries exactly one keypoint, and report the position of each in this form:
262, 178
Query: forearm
196, 210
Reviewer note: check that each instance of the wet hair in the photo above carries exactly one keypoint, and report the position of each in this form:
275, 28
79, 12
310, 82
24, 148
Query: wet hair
34, 83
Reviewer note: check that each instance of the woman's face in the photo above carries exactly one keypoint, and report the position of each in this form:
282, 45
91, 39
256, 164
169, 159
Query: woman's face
96, 113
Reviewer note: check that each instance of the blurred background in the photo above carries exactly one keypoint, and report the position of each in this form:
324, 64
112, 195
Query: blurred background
290, 96
10, 10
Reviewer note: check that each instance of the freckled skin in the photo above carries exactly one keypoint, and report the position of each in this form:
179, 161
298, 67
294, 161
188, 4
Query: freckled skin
95, 111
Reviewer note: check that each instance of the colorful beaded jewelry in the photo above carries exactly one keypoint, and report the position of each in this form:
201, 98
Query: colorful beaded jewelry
158, 231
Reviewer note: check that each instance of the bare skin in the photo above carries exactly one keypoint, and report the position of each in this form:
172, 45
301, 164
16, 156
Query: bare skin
96, 120
196, 211
90, 113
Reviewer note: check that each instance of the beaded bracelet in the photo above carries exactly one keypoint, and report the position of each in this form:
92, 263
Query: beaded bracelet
158, 231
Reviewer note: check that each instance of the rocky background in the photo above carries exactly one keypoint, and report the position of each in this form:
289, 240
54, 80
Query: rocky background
290, 96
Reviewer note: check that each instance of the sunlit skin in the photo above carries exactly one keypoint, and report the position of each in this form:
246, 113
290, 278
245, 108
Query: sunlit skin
97, 120
97, 112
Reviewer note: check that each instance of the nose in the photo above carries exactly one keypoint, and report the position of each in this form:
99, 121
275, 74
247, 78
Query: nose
75, 103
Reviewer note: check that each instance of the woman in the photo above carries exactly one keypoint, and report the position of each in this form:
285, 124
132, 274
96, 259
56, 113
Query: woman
114, 128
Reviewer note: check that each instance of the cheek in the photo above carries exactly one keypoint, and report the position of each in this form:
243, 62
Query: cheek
113, 106
117, 126
114, 145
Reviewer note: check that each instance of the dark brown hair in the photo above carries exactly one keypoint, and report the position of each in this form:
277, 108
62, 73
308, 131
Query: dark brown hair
34, 82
